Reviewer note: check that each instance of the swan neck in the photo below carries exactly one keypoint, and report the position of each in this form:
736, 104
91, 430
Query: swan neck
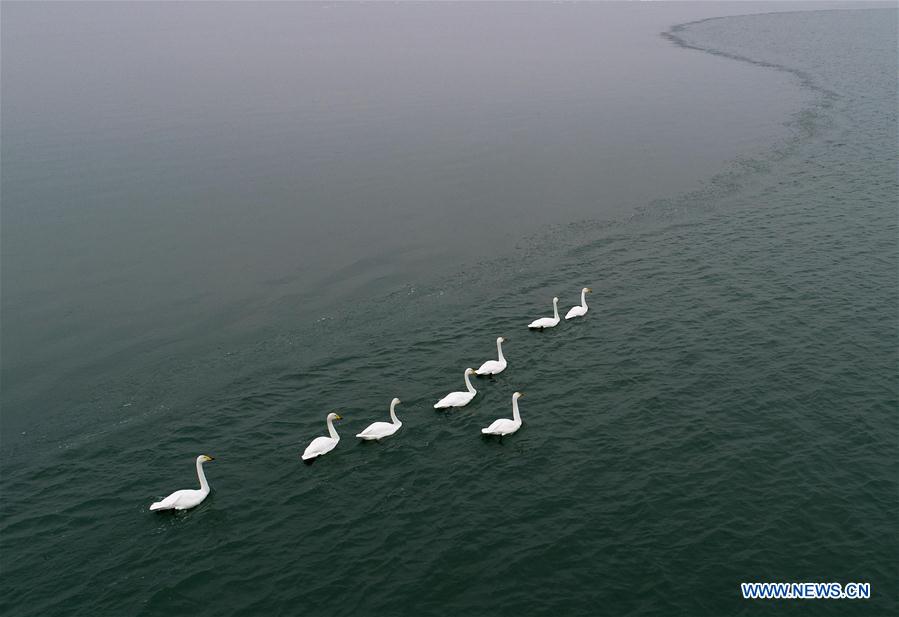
515, 415
393, 413
499, 350
584, 299
333, 433
204, 485
555, 310
468, 384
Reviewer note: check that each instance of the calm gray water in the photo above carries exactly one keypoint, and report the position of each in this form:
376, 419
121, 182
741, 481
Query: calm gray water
220, 222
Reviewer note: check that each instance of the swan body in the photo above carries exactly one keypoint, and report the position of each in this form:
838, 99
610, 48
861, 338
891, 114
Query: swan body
495, 367
505, 426
187, 498
547, 322
581, 309
458, 399
379, 430
323, 445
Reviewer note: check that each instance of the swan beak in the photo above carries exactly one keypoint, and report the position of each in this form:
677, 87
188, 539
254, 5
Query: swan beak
338, 417
210, 458
589, 290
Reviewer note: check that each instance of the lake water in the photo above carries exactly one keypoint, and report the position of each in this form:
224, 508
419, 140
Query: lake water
221, 221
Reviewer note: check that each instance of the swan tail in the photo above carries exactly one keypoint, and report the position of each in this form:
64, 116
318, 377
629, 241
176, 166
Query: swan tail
166, 504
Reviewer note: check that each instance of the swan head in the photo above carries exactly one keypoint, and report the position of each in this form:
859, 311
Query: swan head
333, 416
203, 458
517, 395
587, 290
555, 300
395, 401
500, 340
469, 371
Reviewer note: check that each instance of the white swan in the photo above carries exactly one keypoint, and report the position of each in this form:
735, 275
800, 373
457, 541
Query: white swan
505, 426
494, 367
380, 430
547, 322
581, 309
458, 399
323, 445
187, 498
